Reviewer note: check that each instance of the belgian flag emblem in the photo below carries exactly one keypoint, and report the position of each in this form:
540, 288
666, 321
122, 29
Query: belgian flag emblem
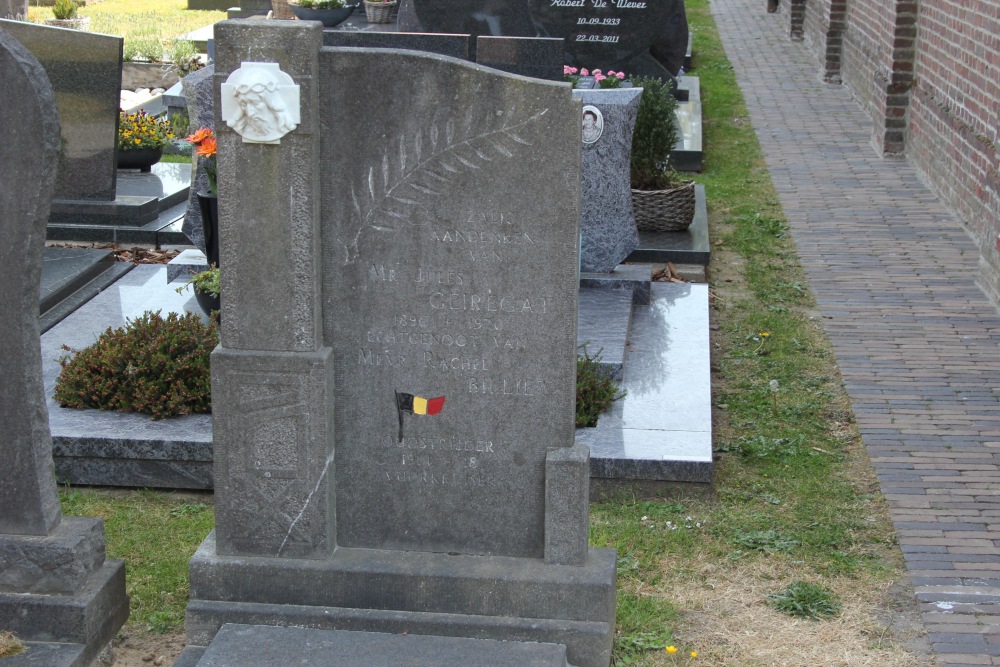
418, 405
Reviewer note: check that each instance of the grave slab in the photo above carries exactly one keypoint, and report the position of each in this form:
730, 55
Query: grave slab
663, 429
266, 646
688, 153
67, 269
603, 324
50, 654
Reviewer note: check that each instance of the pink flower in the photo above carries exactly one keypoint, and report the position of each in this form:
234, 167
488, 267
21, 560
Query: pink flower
620, 75
584, 72
568, 71
599, 77
597, 72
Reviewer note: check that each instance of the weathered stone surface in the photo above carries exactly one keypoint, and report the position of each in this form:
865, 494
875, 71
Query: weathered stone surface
85, 70
58, 563
201, 112
265, 646
607, 225
639, 36
12, 9
30, 137
567, 479
450, 233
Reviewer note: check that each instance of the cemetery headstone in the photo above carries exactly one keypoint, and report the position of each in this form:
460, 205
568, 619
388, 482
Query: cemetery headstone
86, 73
55, 585
607, 225
394, 419
643, 37
201, 113
13, 9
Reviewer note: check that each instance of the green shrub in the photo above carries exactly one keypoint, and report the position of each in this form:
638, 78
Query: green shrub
596, 391
655, 134
64, 9
152, 365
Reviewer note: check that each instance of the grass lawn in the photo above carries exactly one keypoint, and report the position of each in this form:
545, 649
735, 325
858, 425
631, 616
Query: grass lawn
792, 560
150, 27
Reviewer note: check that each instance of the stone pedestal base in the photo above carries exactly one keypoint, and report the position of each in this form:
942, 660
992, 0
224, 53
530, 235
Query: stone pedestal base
483, 597
59, 595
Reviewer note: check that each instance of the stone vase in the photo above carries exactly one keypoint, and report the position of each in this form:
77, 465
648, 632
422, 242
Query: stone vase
142, 159
209, 205
79, 23
328, 17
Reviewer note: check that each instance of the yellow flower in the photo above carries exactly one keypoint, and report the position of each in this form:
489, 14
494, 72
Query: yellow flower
671, 649
764, 334
694, 654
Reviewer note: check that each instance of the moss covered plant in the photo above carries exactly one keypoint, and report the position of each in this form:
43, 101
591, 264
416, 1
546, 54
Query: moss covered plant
596, 390
655, 136
153, 365
10, 645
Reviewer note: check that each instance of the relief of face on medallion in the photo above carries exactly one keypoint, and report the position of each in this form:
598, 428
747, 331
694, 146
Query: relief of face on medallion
260, 102
593, 124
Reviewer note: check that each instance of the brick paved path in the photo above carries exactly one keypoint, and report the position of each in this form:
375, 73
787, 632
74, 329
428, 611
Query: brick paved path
916, 340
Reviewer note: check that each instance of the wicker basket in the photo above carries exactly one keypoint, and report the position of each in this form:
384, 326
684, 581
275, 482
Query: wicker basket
664, 210
281, 10
379, 12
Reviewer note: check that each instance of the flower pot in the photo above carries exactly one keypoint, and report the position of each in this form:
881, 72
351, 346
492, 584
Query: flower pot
209, 206
328, 17
379, 12
208, 303
669, 210
142, 159
78, 23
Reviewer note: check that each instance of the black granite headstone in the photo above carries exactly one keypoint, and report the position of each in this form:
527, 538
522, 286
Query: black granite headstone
86, 73
645, 37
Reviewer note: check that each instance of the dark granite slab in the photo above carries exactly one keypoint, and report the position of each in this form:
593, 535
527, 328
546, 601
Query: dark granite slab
64, 270
688, 247
603, 324
456, 46
688, 153
539, 57
267, 646
49, 654
140, 199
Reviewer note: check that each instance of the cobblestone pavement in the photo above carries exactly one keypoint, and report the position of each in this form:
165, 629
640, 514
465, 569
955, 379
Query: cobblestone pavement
894, 275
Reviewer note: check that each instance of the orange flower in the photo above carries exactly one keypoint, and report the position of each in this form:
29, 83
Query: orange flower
206, 148
200, 136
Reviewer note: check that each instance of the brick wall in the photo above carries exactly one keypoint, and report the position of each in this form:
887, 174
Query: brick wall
928, 72
954, 117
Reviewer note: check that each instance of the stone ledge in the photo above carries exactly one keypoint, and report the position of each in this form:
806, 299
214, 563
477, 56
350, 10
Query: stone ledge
56, 564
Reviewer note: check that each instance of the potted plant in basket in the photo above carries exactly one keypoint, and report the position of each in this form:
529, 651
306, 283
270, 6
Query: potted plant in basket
204, 144
379, 11
661, 200
141, 139
328, 12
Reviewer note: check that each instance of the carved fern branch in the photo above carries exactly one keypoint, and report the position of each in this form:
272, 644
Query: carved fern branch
426, 171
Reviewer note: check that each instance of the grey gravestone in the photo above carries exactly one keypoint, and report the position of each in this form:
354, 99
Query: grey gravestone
607, 225
13, 9
393, 419
647, 37
55, 585
201, 113
86, 73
